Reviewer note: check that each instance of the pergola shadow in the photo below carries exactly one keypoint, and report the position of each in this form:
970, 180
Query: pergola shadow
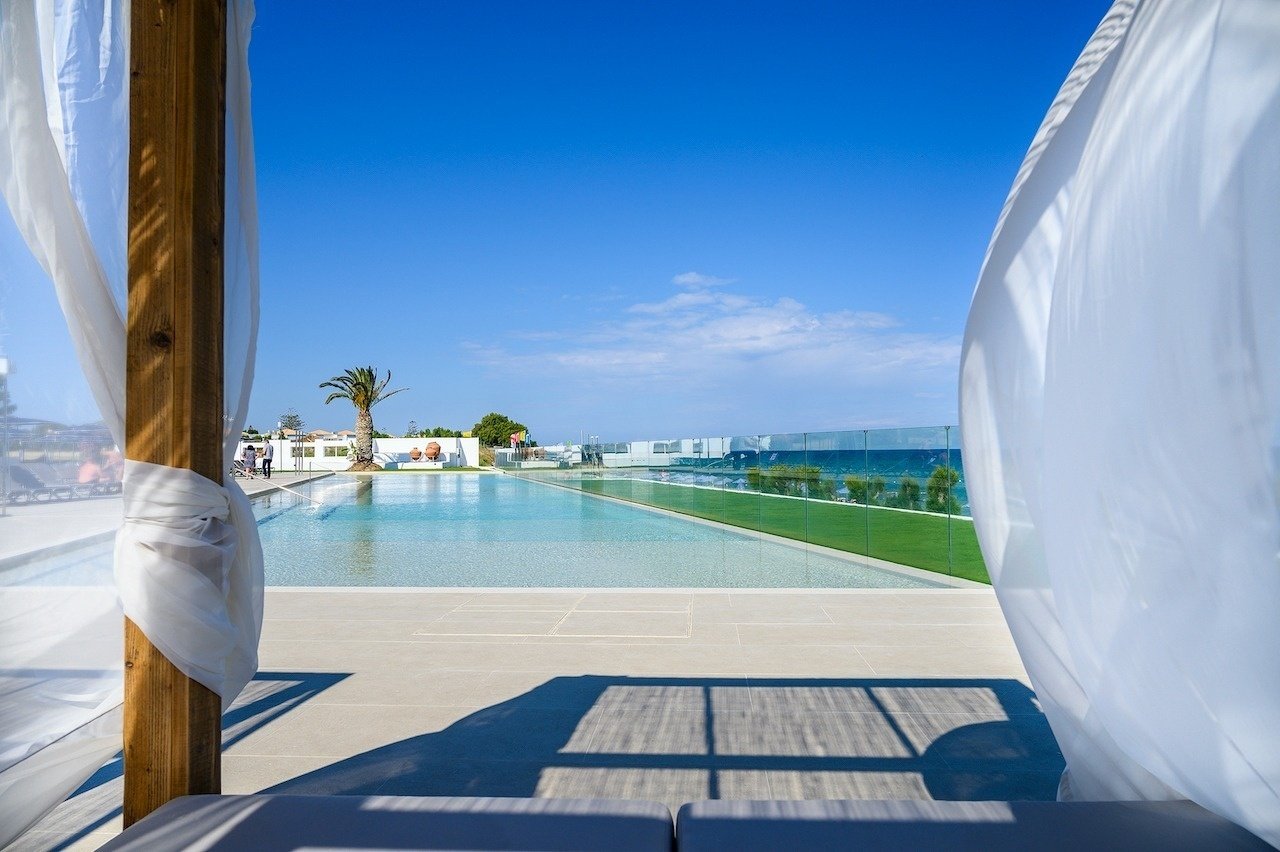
677, 739
97, 801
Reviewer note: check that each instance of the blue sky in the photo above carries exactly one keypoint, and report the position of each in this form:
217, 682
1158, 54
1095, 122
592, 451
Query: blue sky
643, 220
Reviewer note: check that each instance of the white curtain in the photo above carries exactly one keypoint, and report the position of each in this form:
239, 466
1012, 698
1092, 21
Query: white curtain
1120, 398
63, 173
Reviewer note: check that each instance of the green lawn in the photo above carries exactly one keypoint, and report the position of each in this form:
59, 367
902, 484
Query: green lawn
908, 538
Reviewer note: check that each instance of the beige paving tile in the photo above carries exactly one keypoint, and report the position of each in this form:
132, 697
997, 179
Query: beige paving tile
872, 633
386, 655
709, 600
664, 785
741, 784
324, 629
622, 601
772, 697
656, 623
699, 634
489, 627
482, 638
352, 606
508, 614
876, 613
452, 687
765, 613
848, 785
243, 774
95, 810
768, 599
295, 655
524, 600
658, 730
441, 653
930, 616
949, 597
718, 694
922, 730
676, 660
500, 686
788, 734
838, 661
942, 661
40, 841
338, 731
942, 699
980, 635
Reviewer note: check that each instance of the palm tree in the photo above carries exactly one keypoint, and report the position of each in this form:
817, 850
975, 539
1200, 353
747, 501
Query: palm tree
362, 387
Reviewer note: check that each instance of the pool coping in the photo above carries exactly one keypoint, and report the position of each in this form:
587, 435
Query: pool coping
675, 590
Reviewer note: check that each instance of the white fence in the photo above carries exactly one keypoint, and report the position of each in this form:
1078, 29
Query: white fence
391, 453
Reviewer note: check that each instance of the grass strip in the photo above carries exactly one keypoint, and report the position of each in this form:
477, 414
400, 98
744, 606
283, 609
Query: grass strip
947, 545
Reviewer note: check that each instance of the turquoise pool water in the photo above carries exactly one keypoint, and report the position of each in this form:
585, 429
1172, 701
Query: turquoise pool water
494, 530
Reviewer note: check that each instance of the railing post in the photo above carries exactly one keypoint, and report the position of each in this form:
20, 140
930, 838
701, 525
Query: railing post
174, 412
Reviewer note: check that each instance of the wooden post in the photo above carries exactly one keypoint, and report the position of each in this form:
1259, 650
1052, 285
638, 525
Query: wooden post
172, 736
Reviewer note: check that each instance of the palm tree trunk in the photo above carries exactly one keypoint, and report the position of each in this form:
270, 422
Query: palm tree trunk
364, 436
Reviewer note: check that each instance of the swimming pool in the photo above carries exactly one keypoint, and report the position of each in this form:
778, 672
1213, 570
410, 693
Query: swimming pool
490, 530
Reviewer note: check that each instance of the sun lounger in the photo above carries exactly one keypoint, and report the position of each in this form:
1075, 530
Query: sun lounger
957, 826
269, 823
40, 482
29, 488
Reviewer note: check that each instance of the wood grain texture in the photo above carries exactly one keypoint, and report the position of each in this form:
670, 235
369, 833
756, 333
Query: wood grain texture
174, 413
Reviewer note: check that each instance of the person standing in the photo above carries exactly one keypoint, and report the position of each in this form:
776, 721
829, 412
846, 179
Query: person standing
268, 453
250, 459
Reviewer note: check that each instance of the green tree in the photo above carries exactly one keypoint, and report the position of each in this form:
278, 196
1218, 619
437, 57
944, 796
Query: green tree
938, 496
7, 407
820, 489
908, 496
363, 389
869, 492
876, 490
858, 488
495, 430
291, 420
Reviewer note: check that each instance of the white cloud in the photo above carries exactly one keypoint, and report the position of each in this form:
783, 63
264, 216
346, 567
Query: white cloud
698, 281
767, 362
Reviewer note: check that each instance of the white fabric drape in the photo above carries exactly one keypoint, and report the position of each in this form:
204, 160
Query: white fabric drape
188, 561
1120, 397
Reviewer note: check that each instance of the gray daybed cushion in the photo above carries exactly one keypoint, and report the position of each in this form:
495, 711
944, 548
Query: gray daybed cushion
985, 826
267, 823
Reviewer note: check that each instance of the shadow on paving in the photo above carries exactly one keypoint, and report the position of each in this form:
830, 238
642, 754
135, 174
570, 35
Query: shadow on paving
97, 801
683, 739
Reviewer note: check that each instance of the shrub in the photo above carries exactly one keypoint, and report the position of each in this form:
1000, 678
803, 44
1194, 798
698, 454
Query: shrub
908, 496
938, 491
495, 430
793, 480
866, 491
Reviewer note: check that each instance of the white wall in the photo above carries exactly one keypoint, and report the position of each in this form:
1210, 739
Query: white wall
455, 452
460, 452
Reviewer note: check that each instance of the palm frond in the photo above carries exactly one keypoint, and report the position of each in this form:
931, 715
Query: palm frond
361, 386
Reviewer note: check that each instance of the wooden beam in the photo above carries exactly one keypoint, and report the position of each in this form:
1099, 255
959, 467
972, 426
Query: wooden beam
173, 416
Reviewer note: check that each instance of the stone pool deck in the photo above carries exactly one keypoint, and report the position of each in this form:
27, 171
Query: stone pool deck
666, 695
